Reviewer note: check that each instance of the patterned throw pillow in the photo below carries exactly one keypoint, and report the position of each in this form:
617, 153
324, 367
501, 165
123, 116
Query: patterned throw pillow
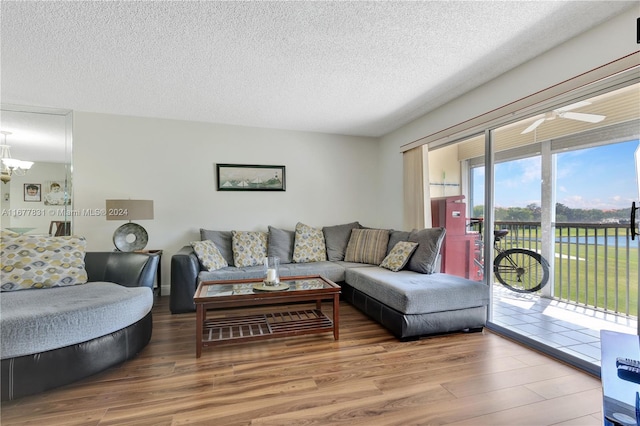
222, 240
5, 233
36, 261
209, 255
367, 246
249, 248
309, 245
399, 256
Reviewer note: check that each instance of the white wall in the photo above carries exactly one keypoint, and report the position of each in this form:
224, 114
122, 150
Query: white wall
330, 179
603, 44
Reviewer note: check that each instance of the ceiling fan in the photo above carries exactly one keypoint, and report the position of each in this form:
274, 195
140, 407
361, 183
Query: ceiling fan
565, 112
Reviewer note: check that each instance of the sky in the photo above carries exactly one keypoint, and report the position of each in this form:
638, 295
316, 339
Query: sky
594, 178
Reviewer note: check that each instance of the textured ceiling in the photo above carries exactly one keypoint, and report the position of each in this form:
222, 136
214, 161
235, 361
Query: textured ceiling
358, 68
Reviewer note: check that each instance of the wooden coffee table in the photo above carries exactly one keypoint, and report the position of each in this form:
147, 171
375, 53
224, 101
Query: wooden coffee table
224, 294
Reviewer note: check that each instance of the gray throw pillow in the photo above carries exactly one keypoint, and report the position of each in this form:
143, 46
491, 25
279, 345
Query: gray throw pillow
280, 244
222, 240
395, 237
336, 239
429, 242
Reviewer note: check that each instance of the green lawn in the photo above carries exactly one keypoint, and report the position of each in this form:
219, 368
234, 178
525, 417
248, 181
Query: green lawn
595, 278
586, 273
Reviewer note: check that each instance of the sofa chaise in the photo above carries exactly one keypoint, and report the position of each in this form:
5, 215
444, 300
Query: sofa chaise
389, 275
52, 335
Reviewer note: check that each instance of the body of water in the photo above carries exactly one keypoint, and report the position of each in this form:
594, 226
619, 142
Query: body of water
610, 241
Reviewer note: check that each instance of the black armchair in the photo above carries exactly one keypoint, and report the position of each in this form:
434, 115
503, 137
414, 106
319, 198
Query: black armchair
40, 371
129, 269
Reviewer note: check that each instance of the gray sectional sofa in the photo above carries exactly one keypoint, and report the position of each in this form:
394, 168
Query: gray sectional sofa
412, 302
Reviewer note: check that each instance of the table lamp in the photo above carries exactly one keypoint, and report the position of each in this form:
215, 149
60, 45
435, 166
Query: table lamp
130, 236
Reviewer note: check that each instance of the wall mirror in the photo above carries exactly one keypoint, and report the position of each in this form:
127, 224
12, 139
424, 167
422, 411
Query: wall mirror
37, 200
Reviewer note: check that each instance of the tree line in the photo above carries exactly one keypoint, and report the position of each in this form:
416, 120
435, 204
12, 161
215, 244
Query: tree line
532, 213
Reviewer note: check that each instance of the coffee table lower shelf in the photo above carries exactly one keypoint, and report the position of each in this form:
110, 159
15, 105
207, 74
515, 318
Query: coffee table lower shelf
218, 331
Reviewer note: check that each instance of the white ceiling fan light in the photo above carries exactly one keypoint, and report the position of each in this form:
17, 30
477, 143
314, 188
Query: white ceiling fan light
565, 112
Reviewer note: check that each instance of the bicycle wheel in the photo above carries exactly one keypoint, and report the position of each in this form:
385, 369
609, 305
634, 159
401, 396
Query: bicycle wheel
521, 270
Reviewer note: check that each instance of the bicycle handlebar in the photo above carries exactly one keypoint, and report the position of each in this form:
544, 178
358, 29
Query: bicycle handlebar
498, 234
633, 221
476, 221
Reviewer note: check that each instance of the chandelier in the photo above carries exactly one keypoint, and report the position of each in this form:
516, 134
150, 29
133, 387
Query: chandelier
11, 166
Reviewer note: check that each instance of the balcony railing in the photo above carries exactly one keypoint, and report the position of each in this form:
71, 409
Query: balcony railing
595, 264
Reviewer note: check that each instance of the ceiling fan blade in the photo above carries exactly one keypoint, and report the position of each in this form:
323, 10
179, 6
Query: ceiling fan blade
533, 126
573, 106
591, 118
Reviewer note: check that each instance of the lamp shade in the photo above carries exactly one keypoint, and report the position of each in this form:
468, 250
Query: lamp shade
129, 209
130, 236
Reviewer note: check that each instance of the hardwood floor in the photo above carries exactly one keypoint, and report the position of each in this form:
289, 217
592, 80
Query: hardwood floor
366, 378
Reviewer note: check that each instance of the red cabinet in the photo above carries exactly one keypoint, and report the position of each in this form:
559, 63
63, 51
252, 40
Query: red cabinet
459, 245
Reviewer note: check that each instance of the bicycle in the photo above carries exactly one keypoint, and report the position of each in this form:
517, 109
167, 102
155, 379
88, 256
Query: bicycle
519, 269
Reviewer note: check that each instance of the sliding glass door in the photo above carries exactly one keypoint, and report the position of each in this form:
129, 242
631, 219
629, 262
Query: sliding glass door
556, 188
561, 186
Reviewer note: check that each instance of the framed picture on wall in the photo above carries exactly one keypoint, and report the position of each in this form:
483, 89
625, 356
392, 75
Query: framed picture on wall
32, 192
248, 177
55, 193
